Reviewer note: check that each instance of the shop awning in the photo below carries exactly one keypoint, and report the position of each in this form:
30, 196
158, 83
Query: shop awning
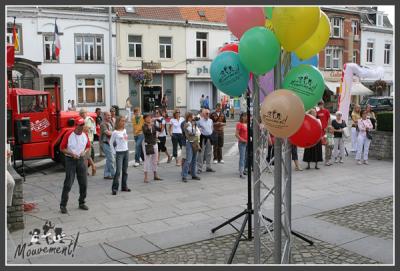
357, 88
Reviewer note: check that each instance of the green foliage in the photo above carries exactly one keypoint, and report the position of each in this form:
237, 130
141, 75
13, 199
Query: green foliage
385, 121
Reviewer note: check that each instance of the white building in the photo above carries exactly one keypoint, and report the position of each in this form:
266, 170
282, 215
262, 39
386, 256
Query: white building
83, 68
206, 33
377, 46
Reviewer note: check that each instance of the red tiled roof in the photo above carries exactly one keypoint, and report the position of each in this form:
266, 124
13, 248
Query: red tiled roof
156, 13
212, 14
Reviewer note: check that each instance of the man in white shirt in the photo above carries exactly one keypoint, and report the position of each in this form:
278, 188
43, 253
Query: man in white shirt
205, 125
75, 145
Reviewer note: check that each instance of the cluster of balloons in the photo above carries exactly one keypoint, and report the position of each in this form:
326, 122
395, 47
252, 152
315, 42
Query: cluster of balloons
263, 32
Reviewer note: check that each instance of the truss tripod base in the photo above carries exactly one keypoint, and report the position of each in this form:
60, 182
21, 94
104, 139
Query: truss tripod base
247, 213
298, 235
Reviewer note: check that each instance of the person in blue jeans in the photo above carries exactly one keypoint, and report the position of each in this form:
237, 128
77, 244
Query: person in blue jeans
192, 144
241, 135
119, 147
106, 129
137, 123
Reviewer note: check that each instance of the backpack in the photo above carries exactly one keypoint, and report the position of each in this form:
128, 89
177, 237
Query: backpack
183, 129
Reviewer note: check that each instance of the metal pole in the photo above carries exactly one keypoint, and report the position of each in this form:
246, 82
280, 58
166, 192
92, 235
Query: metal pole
288, 192
110, 50
277, 179
249, 203
256, 168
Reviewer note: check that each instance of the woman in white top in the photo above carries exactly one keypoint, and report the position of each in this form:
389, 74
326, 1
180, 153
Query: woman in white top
119, 147
161, 123
364, 126
175, 130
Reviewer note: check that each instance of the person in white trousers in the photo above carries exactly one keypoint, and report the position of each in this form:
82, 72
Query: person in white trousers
355, 116
364, 126
338, 125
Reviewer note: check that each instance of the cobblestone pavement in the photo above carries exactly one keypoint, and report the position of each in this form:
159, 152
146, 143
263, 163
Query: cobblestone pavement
217, 251
372, 217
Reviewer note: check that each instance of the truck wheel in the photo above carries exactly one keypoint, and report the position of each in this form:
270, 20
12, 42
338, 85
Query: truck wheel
59, 156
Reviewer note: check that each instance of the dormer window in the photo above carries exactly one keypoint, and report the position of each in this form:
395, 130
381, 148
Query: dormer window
379, 20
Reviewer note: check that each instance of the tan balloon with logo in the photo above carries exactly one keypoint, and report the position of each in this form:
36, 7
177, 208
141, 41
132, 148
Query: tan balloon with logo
282, 112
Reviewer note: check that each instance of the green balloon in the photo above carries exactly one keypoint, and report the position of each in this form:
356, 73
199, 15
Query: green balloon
259, 50
268, 12
307, 82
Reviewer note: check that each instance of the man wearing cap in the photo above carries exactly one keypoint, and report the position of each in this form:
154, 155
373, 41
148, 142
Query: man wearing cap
75, 145
219, 122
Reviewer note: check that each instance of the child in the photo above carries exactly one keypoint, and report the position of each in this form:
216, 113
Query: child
329, 145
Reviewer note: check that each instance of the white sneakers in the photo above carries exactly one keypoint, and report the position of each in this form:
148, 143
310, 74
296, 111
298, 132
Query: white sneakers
360, 163
221, 162
136, 164
215, 162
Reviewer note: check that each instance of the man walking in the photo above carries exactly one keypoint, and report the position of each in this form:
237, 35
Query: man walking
99, 120
106, 129
206, 128
202, 101
207, 103
137, 122
75, 145
219, 121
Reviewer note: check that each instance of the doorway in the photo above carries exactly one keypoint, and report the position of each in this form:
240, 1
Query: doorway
151, 98
48, 85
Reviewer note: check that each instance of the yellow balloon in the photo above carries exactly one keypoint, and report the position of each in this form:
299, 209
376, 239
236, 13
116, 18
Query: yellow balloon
317, 41
268, 24
294, 25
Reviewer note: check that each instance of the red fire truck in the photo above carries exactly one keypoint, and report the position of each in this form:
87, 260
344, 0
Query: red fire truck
36, 124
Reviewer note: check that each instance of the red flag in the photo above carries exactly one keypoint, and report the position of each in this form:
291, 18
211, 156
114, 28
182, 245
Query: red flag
15, 37
10, 56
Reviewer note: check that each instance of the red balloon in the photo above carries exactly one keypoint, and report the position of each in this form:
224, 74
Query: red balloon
309, 133
234, 47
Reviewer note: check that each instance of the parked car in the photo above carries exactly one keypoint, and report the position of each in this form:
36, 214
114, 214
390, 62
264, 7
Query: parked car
378, 104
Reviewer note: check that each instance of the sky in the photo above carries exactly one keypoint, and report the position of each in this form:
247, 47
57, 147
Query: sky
389, 10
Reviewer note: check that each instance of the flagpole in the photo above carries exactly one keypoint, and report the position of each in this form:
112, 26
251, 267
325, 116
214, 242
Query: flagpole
54, 39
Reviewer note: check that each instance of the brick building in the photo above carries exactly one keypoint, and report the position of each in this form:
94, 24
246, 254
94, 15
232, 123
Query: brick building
344, 46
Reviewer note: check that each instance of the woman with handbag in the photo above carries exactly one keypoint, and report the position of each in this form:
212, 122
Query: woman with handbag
364, 138
192, 147
338, 125
150, 148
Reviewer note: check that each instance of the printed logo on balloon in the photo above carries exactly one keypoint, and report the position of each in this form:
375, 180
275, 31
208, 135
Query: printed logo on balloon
307, 82
228, 74
282, 112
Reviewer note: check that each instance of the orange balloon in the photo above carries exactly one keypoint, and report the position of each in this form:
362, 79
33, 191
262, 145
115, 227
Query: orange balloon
282, 112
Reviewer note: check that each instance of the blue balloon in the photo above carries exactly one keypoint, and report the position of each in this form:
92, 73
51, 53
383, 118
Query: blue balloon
311, 61
228, 74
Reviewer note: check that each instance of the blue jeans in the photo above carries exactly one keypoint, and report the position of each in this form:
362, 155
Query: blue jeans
121, 162
191, 161
242, 156
109, 170
138, 147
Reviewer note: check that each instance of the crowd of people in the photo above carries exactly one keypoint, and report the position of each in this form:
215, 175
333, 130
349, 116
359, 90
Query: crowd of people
200, 139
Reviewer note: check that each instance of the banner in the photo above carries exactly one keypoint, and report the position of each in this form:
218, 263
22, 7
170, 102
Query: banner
350, 69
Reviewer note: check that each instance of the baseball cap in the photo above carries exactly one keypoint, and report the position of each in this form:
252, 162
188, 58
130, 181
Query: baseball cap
80, 122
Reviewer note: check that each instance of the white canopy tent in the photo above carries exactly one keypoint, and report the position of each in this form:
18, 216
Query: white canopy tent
357, 89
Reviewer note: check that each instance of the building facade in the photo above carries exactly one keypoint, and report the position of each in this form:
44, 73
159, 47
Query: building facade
83, 69
151, 44
206, 33
377, 47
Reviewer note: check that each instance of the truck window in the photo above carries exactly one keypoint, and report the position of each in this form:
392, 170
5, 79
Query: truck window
32, 103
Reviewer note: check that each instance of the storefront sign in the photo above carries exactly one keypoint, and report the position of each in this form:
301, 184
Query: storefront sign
199, 69
151, 65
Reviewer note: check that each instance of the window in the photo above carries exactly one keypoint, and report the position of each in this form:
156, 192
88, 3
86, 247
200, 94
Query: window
201, 44
354, 56
379, 19
354, 27
89, 48
49, 48
9, 37
135, 46
32, 103
336, 27
370, 51
387, 54
165, 47
333, 58
90, 91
